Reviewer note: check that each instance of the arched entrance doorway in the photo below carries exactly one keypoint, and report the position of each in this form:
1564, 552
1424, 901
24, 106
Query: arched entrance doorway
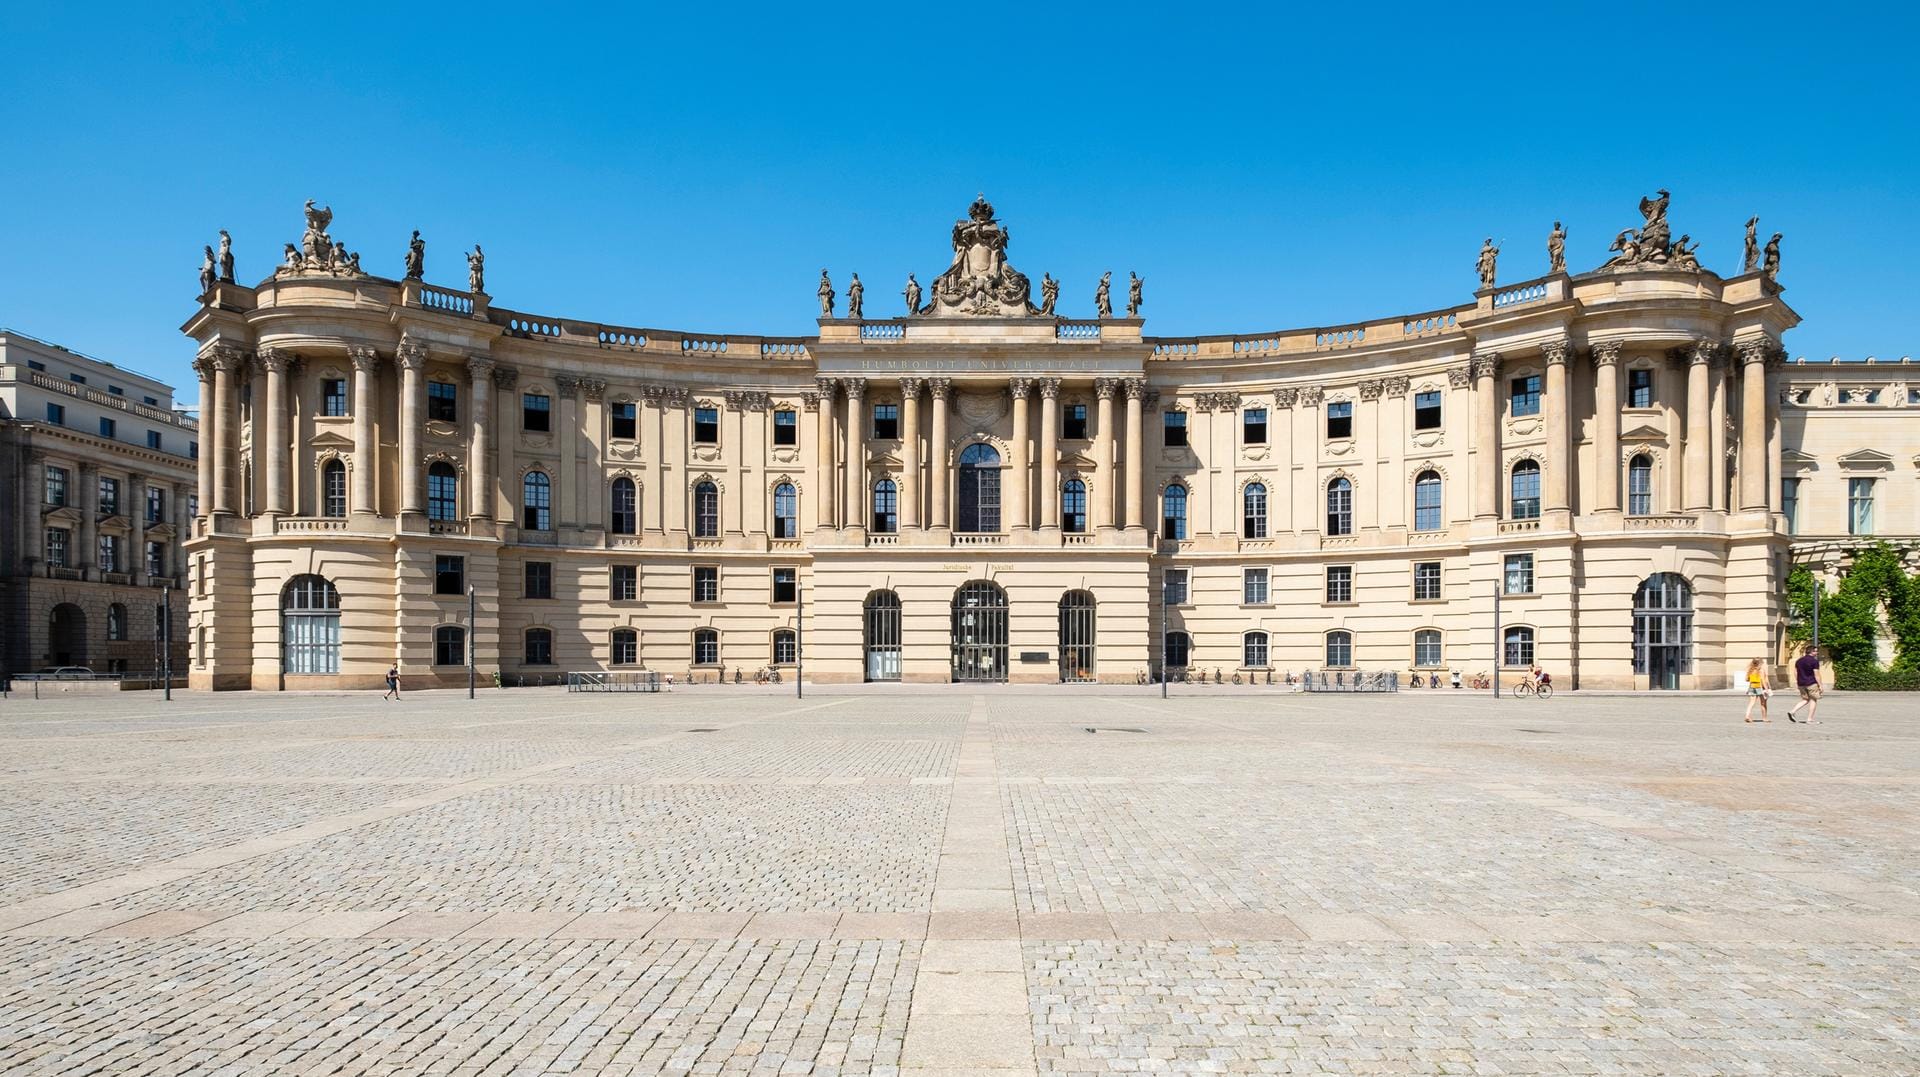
977, 507
1076, 636
980, 632
310, 626
1663, 629
67, 636
882, 636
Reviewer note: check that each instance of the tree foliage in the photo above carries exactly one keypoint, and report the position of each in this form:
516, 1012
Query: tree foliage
1850, 619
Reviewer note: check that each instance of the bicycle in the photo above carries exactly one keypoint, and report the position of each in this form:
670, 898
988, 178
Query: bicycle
1480, 680
1529, 687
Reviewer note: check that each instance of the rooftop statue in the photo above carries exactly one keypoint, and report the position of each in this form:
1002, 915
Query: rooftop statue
206, 271
1133, 294
1484, 265
979, 280
826, 294
315, 243
1770, 265
913, 295
416, 257
1557, 249
477, 271
855, 293
1649, 246
1752, 261
1103, 296
1683, 255
291, 260
226, 256
1049, 294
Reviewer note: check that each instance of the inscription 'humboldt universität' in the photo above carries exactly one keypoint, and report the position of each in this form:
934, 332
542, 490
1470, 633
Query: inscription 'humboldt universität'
905, 365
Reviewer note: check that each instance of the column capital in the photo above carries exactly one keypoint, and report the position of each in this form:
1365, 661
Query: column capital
1371, 388
1049, 388
747, 400
205, 367
674, 396
504, 377
410, 355
1484, 364
826, 385
479, 366
1312, 395
653, 395
1106, 388
910, 387
940, 388
1701, 351
273, 360
1605, 353
1459, 377
855, 387
229, 359
1286, 398
1557, 352
365, 359
567, 385
1397, 384
809, 400
594, 388
1019, 388
1757, 350
1136, 388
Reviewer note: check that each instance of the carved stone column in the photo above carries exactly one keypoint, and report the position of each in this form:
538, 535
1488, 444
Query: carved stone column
1755, 357
1554, 492
653, 449
228, 362
1280, 436
1050, 453
1719, 386
88, 555
412, 361
136, 504
1485, 367
1606, 426
1699, 357
208, 371
564, 475
1136, 454
939, 389
366, 453
508, 423
856, 499
825, 516
275, 365
1104, 494
479, 451
1020, 506
182, 520
910, 453
589, 488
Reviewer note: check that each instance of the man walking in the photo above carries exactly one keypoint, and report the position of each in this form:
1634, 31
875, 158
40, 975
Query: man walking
393, 683
1806, 677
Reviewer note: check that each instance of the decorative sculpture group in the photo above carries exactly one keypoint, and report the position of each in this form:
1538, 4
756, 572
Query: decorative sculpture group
319, 252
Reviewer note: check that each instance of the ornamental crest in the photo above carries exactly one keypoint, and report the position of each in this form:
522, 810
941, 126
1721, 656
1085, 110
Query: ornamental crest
980, 281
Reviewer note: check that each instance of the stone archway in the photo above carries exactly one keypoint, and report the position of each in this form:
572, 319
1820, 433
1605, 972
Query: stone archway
67, 636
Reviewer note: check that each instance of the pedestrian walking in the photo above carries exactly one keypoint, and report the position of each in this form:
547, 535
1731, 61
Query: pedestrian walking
1806, 678
393, 683
1757, 691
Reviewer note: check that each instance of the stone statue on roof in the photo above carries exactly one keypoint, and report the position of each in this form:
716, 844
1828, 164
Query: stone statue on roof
1049, 293
206, 271
1103, 296
1557, 249
826, 294
226, 256
1752, 261
912, 293
1134, 284
416, 257
315, 243
477, 271
856, 293
1486, 263
980, 280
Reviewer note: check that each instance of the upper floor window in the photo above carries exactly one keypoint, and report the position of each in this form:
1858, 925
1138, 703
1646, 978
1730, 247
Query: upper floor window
108, 428
1073, 422
623, 517
538, 579
1640, 387
109, 553
1523, 395
1253, 587
786, 585
786, 427
706, 583
624, 583
1524, 502
56, 415
706, 510
153, 439
156, 559
449, 575
109, 497
706, 426
1253, 511
1790, 504
56, 486
35, 364
1173, 512
1339, 583
1426, 501
77, 379
536, 502
886, 422
57, 539
333, 488
1426, 581
886, 507
443, 491
1253, 426
1174, 429
620, 419
978, 488
1640, 485
1859, 506
536, 412
1173, 587
1339, 419
786, 512
116, 390
1518, 574
333, 396
156, 505
152, 402
1073, 507
1426, 410
443, 401
1340, 507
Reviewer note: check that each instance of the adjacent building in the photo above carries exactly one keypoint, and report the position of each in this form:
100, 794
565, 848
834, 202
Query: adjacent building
97, 484
986, 489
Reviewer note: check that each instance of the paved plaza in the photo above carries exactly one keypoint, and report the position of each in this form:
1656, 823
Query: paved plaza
956, 880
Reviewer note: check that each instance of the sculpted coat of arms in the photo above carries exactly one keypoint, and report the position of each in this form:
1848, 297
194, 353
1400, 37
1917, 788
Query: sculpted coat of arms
980, 281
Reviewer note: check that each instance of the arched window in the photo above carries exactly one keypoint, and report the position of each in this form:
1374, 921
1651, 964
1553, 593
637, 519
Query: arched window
1173, 512
310, 626
1516, 646
882, 635
116, 621
1524, 502
1073, 507
333, 488
1178, 651
1426, 648
626, 647
1426, 501
1253, 511
538, 643
1077, 635
536, 502
1339, 649
1253, 650
1640, 485
624, 515
706, 647
786, 647
1663, 629
1340, 507
706, 510
443, 491
449, 646
786, 512
886, 507
978, 486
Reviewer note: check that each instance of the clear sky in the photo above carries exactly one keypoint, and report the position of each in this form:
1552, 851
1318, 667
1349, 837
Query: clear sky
694, 166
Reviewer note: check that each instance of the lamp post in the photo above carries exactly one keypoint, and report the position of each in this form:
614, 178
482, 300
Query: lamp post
471, 632
799, 639
1496, 636
1163, 633
166, 643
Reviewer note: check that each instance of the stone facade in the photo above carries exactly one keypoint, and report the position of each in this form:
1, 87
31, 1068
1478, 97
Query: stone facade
632, 498
96, 480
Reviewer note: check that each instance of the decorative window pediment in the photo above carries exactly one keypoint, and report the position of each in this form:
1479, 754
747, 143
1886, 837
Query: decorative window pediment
1866, 460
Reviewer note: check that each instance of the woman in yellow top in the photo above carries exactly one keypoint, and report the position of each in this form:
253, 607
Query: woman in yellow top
1756, 691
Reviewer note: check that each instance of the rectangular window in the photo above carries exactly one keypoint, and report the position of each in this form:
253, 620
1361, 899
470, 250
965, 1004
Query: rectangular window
153, 439
109, 553
1519, 575
1339, 419
1253, 426
56, 486
786, 585
333, 396
443, 401
706, 426
1859, 506
116, 390
193, 449
1640, 388
1790, 504
626, 583
1175, 582
1253, 653
1339, 583
786, 428
536, 412
886, 422
1426, 649
1073, 422
1426, 581
626, 648
107, 428
156, 505
539, 647
77, 379
621, 419
539, 578
706, 583
449, 575
56, 415
35, 364
109, 497
1253, 587
150, 401
1426, 410
1175, 429
156, 559
57, 539
449, 646
1523, 395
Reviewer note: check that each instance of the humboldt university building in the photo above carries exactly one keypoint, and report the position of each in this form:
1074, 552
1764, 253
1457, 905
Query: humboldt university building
986, 489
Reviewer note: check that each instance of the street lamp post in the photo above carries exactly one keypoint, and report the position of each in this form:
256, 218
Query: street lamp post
166, 643
1496, 637
1163, 634
471, 644
799, 640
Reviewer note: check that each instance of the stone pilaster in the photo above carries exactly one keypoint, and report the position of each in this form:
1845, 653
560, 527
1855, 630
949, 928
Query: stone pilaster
1756, 356
825, 516
910, 453
479, 428
856, 497
275, 365
411, 358
505, 378
1050, 453
939, 389
1554, 491
1699, 357
1104, 494
1485, 367
366, 453
1020, 502
1606, 426
1136, 454
209, 374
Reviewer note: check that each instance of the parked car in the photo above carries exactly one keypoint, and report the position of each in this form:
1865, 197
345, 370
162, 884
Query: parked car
66, 672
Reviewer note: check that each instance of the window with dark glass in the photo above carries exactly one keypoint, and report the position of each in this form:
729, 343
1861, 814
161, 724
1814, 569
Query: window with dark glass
1426, 648
786, 647
786, 428
109, 553
1524, 502
1253, 511
1175, 584
1253, 426
1523, 394
333, 396
536, 502
1340, 507
886, 507
77, 379
786, 512
620, 420
156, 559
116, 621
706, 426
1426, 410
1518, 649
1253, 587
1426, 501
626, 647
449, 575
109, 497
449, 646
1859, 506
539, 579
1174, 429
536, 412
333, 488
626, 583
1253, 650
1790, 504
443, 401
886, 422
1179, 650
56, 486
443, 491
56, 415
786, 585
1518, 574
539, 647
1340, 648
1640, 485
1073, 422
57, 540
153, 439
1640, 388
706, 510
1339, 419
107, 428
1073, 507
706, 647
1426, 581
623, 516
706, 583
978, 486
1339, 583
1173, 512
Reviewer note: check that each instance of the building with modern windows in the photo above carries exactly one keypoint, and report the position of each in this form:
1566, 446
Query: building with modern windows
981, 487
96, 500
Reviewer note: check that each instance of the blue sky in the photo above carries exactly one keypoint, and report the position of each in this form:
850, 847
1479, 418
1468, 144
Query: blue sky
694, 167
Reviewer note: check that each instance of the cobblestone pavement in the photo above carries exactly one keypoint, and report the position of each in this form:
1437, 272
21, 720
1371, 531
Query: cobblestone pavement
947, 880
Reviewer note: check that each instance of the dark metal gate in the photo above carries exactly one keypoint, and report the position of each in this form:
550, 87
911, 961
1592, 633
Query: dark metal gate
883, 636
980, 632
1076, 636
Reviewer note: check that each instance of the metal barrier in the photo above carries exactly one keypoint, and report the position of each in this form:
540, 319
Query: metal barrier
1350, 681
622, 681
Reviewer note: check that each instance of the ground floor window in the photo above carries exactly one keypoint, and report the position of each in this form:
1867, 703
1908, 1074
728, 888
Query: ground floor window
1516, 649
1339, 648
706, 647
538, 650
786, 647
1426, 648
626, 647
1178, 651
310, 626
1253, 650
449, 646
882, 636
1663, 629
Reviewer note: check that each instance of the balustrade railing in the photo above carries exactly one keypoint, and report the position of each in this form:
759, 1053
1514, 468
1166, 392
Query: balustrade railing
1664, 522
1516, 527
1525, 293
527, 327
622, 338
1077, 331
882, 331
434, 297
979, 539
42, 380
